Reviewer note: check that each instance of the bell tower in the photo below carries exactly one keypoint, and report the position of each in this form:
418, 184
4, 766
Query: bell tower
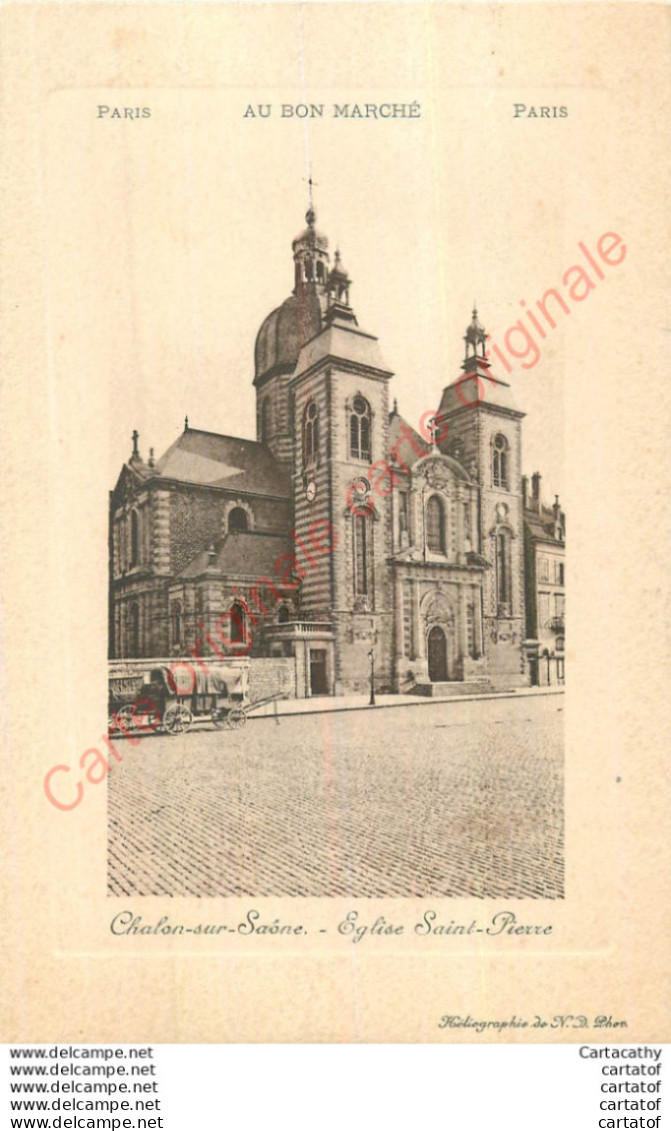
283, 333
480, 426
341, 411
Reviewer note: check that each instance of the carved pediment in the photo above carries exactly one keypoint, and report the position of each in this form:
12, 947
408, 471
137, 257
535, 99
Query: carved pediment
436, 607
127, 487
440, 471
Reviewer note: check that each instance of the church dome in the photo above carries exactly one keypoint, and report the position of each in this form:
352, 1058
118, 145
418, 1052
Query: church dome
283, 332
286, 329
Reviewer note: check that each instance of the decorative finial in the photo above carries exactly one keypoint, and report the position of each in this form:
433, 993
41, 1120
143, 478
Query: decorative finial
136, 437
151, 457
476, 343
310, 215
395, 407
186, 424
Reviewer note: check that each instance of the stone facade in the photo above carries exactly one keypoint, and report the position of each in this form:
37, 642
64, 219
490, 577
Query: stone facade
340, 543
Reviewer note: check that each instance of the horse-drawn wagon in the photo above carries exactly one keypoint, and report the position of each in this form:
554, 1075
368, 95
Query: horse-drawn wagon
175, 695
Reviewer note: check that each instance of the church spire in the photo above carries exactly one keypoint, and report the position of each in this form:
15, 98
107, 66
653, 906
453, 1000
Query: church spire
310, 214
339, 284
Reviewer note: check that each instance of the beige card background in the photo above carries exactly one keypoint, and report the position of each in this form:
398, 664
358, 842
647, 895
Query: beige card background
138, 259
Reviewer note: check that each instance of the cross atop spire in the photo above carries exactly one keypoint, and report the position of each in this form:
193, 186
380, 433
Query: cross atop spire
311, 215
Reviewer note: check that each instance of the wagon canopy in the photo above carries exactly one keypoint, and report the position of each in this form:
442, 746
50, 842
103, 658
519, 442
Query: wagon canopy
221, 681
184, 678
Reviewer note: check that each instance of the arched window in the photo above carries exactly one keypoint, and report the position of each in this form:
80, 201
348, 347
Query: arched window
310, 432
359, 429
134, 630
435, 525
320, 271
501, 462
238, 521
265, 419
503, 572
361, 532
283, 614
176, 623
134, 538
238, 629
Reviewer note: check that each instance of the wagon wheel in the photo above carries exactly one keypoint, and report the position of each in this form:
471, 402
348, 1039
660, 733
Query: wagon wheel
236, 718
122, 719
177, 719
219, 716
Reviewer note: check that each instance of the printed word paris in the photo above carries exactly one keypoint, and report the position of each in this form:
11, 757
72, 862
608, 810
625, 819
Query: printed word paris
520, 110
124, 112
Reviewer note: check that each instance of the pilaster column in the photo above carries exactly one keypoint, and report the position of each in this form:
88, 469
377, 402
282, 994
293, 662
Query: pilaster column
302, 677
413, 516
399, 628
476, 539
463, 615
161, 532
395, 531
117, 630
417, 634
461, 555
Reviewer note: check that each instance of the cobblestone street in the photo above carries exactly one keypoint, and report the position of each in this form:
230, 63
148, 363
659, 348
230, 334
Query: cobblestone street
451, 799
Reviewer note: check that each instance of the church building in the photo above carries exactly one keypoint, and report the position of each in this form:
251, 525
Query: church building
340, 537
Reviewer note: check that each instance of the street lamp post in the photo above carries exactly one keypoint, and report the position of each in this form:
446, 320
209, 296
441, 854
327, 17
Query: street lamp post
372, 678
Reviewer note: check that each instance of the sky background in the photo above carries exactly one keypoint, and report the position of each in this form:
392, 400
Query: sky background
192, 256
170, 242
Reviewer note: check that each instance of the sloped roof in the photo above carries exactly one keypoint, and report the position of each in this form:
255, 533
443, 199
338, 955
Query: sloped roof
541, 525
342, 340
212, 460
470, 390
245, 555
406, 441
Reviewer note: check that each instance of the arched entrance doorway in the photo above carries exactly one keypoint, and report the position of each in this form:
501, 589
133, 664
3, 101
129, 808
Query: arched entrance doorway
437, 649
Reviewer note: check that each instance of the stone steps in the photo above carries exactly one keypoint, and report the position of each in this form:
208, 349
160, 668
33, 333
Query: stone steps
454, 687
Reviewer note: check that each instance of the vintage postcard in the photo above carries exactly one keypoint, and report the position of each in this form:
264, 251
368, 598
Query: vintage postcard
334, 523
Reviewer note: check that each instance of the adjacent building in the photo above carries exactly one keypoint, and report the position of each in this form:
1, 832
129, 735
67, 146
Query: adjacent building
545, 582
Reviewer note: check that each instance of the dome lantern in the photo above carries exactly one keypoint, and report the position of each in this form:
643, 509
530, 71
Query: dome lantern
475, 338
311, 257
